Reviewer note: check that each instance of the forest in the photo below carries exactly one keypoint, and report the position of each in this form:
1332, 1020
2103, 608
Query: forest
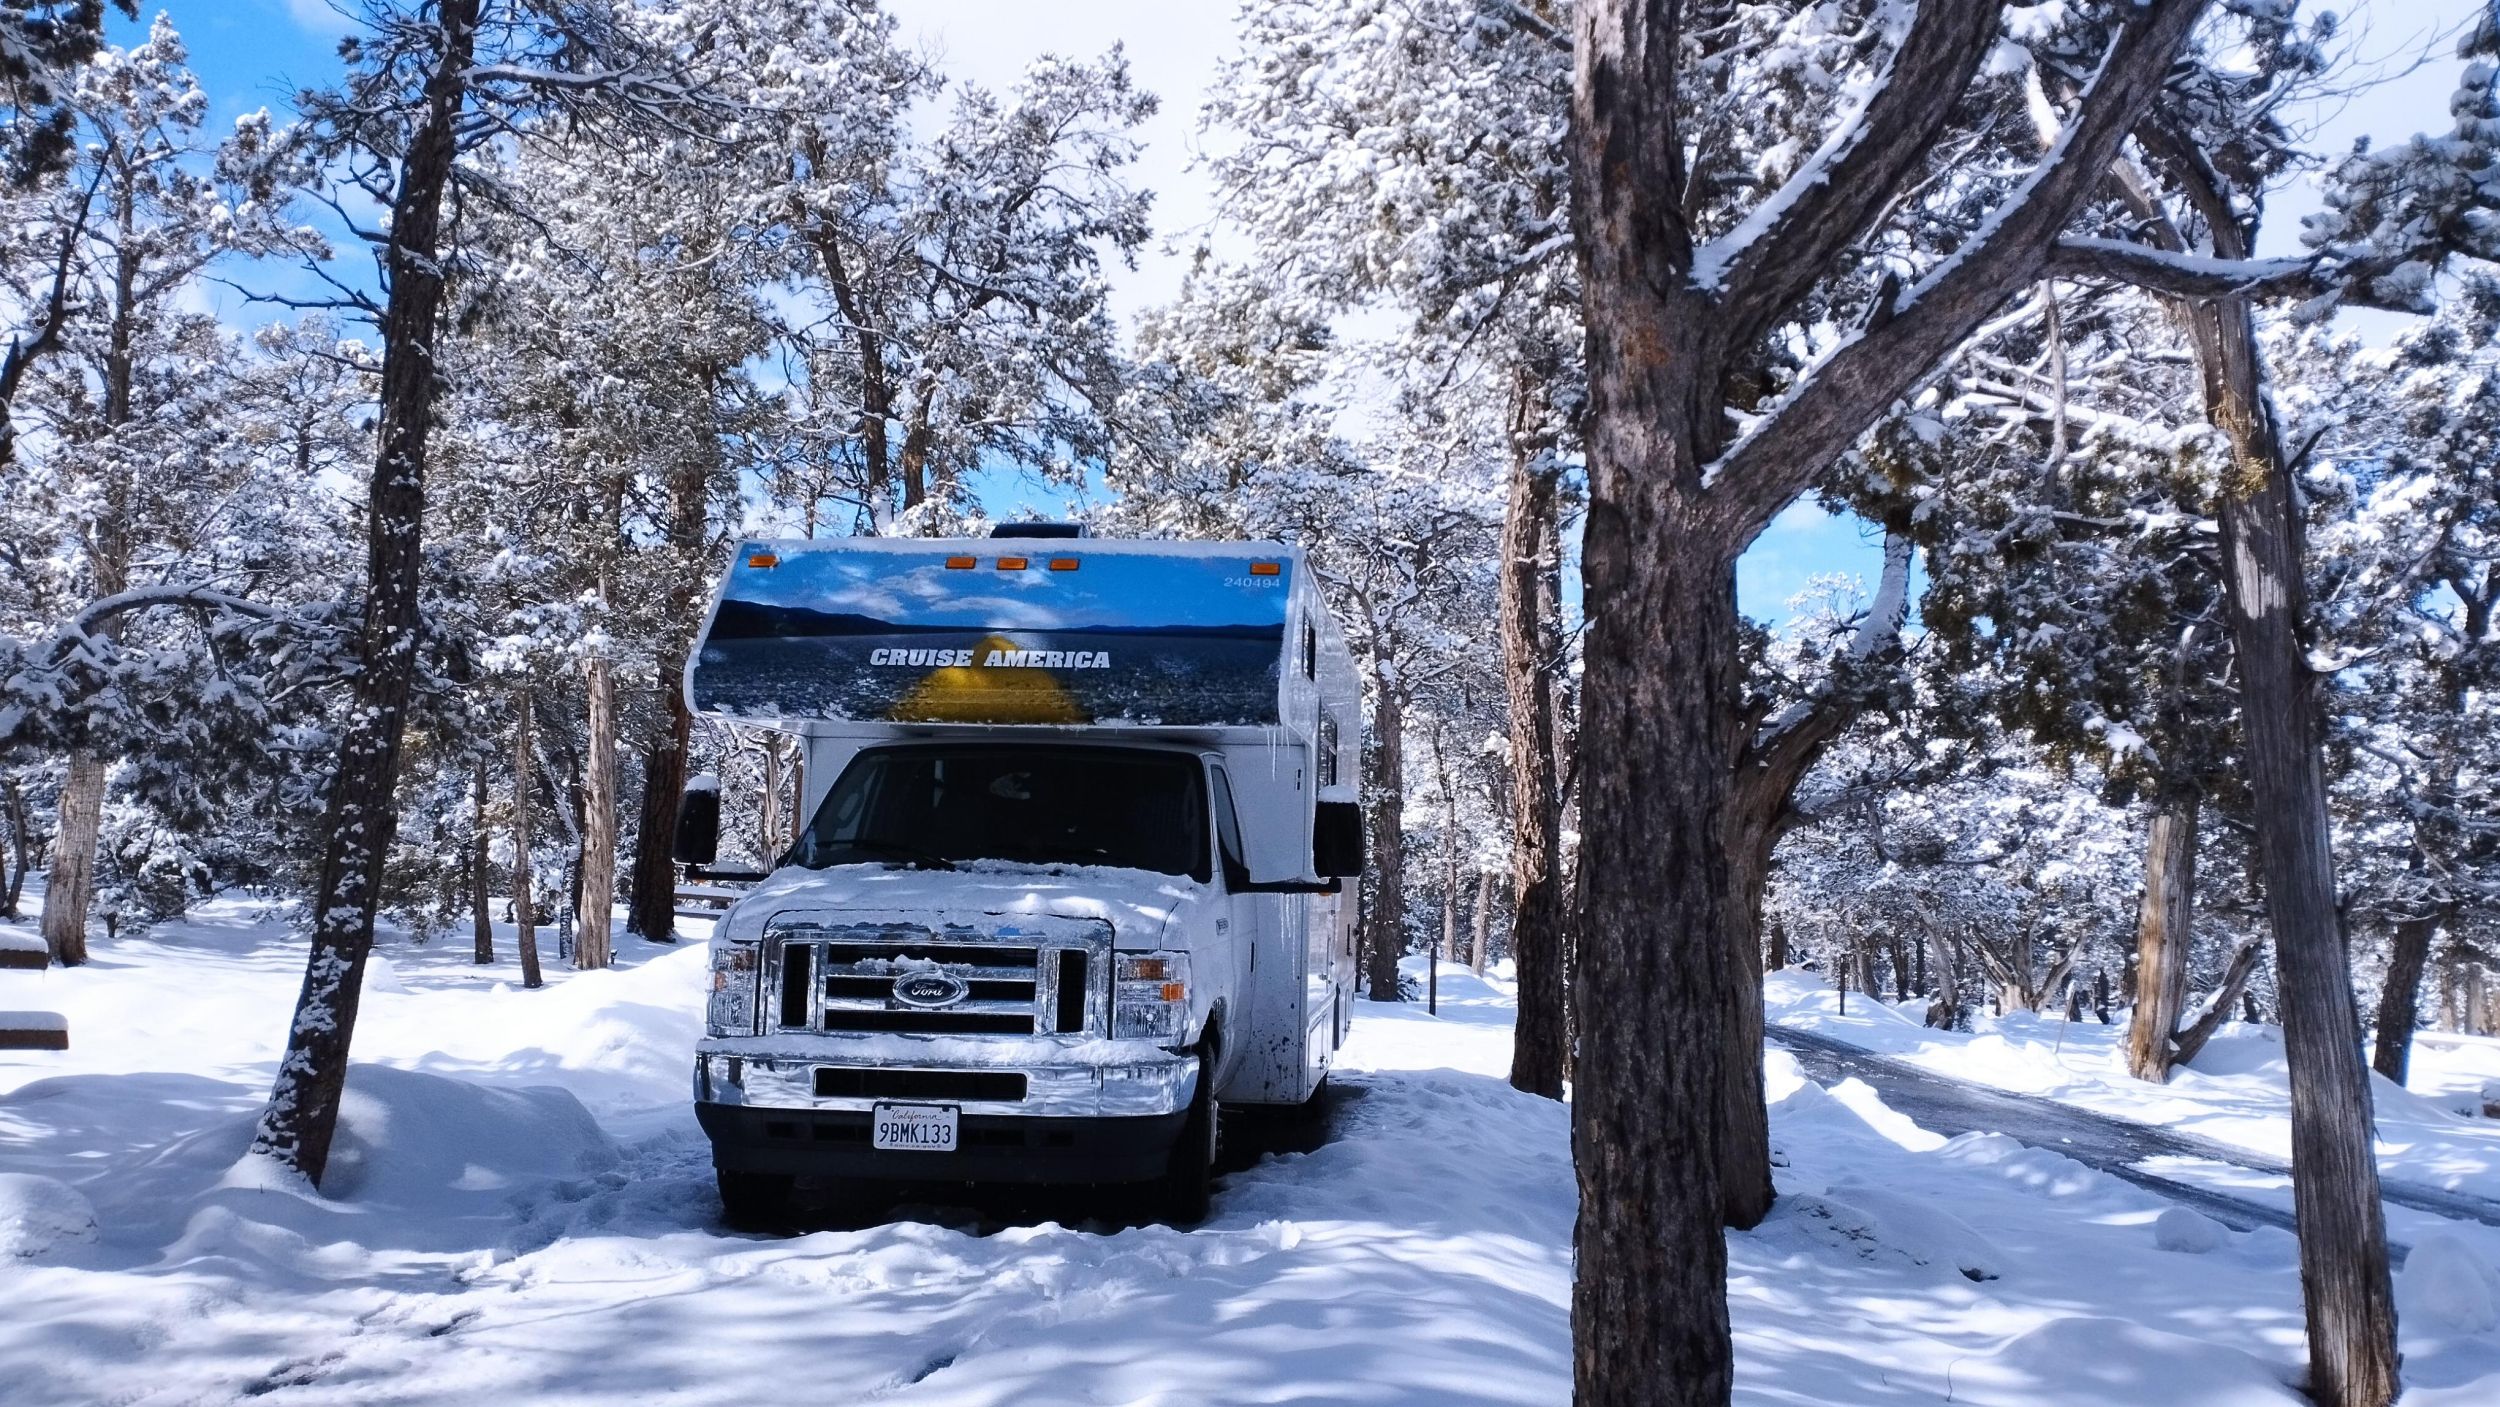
2161, 695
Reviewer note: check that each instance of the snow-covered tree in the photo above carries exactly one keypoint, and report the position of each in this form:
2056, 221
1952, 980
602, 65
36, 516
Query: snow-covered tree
430, 86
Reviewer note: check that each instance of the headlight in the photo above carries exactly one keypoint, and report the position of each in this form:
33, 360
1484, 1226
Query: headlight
1150, 996
733, 990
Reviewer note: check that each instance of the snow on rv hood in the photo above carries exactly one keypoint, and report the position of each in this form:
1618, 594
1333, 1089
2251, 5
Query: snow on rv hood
1140, 905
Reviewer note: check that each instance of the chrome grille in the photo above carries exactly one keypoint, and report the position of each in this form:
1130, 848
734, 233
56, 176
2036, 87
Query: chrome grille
841, 978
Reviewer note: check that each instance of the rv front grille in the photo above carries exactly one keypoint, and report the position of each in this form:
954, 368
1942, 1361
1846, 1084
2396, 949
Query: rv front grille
851, 979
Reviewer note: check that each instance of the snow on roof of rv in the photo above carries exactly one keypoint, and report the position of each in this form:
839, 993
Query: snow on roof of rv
949, 631
1207, 585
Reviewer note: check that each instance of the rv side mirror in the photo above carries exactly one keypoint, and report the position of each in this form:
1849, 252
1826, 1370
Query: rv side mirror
1337, 840
698, 824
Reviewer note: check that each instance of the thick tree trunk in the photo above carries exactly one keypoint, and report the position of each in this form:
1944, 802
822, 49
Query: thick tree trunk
363, 814
651, 909
1649, 1323
2335, 1191
1649, 1302
2400, 1001
1530, 589
1385, 924
69, 890
599, 813
524, 897
482, 924
2163, 925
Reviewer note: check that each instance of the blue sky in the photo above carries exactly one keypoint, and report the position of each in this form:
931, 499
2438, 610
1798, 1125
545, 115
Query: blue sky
256, 53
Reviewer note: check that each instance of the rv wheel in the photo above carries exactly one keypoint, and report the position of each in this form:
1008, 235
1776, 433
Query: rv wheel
1188, 1183
753, 1201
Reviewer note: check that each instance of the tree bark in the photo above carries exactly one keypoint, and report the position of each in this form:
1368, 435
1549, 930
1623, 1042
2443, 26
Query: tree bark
2192, 1037
768, 814
524, 897
1530, 589
1482, 935
1671, 506
21, 845
651, 899
362, 814
2400, 1000
651, 910
598, 865
1448, 948
69, 893
1385, 940
2343, 1229
482, 924
69, 889
2162, 944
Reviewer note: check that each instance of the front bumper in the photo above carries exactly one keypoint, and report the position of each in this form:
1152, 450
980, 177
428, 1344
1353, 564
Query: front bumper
770, 1108
994, 1147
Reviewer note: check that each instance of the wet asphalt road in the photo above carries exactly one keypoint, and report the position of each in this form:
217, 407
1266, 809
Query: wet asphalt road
2114, 1146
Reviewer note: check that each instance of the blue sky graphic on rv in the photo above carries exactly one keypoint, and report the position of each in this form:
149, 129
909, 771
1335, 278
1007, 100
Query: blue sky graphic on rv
1185, 639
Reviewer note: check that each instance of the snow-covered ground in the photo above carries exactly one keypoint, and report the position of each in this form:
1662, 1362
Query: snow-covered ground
2431, 1129
522, 1213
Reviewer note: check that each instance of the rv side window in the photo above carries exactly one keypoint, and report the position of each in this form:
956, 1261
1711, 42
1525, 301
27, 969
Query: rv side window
1327, 750
1310, 651
1228, 829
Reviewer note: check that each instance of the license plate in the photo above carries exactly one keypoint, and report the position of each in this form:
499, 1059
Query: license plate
915, 1128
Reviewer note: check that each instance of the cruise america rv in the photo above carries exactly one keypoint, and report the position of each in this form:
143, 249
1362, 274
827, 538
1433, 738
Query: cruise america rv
1076, 869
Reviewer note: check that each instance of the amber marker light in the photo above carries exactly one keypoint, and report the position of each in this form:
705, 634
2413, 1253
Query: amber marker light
1174, 991
1012, 564
1266, 568
961, 564
1063, 564
763, 559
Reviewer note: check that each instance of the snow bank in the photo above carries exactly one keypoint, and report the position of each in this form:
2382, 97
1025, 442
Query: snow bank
2189, 1232
2084, 1359
37, 1214
420, 1162
1879, 1226
2447, 1283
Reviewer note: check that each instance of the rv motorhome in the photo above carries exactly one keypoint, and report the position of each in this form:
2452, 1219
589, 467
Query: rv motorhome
1074, 868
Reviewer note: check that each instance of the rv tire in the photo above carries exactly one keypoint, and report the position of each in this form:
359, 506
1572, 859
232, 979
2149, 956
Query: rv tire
1188, 1184
752, 1201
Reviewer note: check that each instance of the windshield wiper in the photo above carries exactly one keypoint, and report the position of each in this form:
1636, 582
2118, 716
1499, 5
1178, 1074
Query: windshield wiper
902, 854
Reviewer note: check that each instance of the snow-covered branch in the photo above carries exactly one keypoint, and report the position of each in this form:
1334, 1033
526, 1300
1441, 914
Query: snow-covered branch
1846, 391
2184, 275
1788, 243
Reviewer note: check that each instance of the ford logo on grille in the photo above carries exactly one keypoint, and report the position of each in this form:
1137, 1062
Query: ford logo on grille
930, 989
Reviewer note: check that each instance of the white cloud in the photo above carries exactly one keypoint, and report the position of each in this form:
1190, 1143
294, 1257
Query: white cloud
319, 16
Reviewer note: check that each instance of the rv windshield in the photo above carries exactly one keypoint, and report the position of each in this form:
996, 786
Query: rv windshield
938, 805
